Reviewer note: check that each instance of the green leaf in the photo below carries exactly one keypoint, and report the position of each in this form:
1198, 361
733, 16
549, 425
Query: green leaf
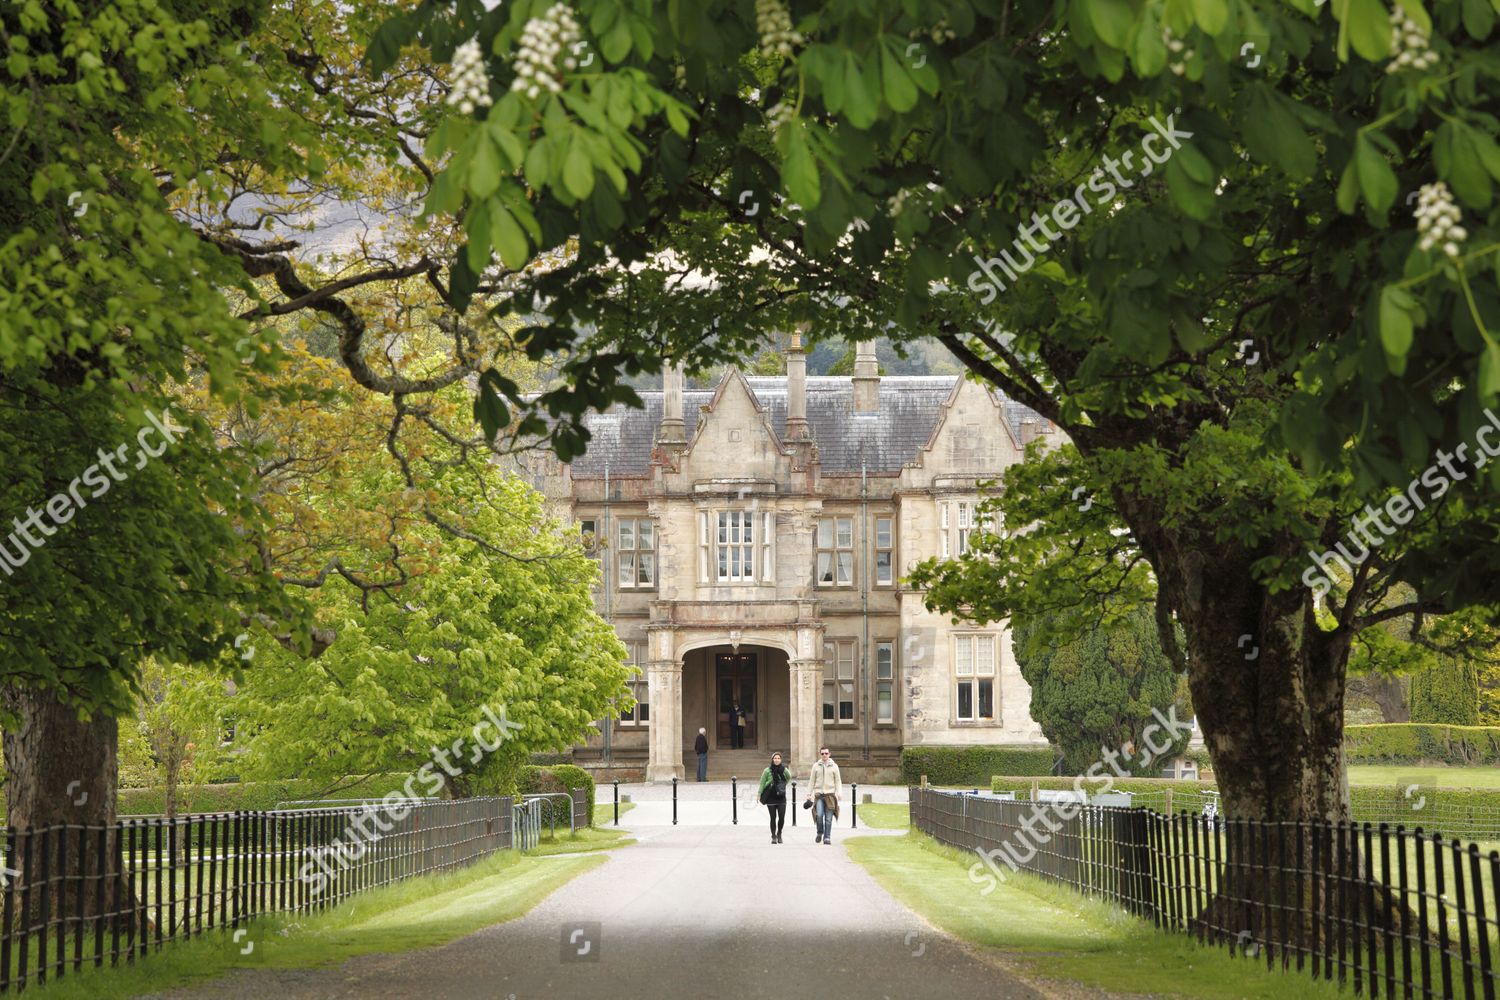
1368, 27
799, 171
1112, 20
615, 45
1377, 181
506, 235
463, 281
1395, 321
484, 168
900, 91
489, 409
1195, 200
1273, 133
578, 172
1348, 193
385, 46
1149, 52
1212, 15
1479, 19
1467, 171
1489, 372
862, 103
539, 163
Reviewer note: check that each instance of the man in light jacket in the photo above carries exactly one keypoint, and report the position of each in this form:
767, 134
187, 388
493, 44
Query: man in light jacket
824, 786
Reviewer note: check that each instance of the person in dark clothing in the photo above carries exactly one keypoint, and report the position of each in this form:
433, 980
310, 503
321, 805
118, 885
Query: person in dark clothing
736, 727
773, 781
701, 746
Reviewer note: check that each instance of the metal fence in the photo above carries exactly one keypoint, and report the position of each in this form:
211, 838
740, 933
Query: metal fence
80, 894
1390, 911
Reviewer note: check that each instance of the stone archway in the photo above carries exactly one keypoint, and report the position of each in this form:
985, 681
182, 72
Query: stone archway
682, 690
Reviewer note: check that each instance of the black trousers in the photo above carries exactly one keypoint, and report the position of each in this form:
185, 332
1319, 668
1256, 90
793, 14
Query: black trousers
777, 813
737, 738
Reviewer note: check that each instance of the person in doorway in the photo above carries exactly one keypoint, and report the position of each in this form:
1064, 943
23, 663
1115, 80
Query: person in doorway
824, 786
773, 795
736, 726
700, 745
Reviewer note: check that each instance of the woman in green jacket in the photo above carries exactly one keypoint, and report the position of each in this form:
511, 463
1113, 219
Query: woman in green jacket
772, 793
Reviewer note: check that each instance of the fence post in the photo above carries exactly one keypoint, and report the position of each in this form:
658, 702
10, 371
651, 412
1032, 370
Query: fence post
617, 802
734, 798
854, 805
674, 800
795, 806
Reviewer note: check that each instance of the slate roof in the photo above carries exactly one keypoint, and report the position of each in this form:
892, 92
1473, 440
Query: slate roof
882, 441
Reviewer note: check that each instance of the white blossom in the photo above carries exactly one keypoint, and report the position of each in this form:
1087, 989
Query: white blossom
471, 81
780, 115
1409, 45
774, 23
1180, 53
546, 50
1437, 219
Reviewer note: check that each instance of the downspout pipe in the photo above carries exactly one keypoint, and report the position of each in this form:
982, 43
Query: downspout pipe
864, 593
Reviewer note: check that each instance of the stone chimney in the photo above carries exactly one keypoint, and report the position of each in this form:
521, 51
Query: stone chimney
797, 428
672, 430
866, 378
1033, 428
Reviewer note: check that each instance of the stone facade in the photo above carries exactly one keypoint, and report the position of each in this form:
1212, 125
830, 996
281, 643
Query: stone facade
752, 542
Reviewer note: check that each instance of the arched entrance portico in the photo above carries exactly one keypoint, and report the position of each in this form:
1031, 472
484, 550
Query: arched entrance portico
693, 670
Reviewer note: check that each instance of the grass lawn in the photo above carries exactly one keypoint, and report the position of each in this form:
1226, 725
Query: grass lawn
604, 812
1058, 934
885, 815
418, 913
590, 838
1442, 777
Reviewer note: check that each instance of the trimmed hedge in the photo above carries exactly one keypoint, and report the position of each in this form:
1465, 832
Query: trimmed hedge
249, 795
1472, 813
532, 779
1148, 792
1416, 743
973, 765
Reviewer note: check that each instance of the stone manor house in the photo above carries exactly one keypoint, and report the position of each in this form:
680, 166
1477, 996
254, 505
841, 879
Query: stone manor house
752, 541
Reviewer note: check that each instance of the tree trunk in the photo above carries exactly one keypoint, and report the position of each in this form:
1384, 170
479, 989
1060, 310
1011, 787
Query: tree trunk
61, 770
1268, 687
1389, 694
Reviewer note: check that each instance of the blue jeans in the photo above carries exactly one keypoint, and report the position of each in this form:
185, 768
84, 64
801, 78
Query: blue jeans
703, 767
823, 817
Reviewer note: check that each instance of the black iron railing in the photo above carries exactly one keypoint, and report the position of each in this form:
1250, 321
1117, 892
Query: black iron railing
76, 895
1389, 911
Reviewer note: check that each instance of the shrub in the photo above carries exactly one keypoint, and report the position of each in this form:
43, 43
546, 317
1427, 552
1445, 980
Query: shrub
250, 795
1446, 693
1414, 743
532, 779
1472, 813
1149, 793
972, 765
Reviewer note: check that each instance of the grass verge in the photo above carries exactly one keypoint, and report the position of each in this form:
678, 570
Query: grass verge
590, 838
1441, 777
885, 815
418, 913
604, 812
1055, 933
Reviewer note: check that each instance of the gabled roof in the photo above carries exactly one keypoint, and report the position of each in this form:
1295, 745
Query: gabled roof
883, 441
